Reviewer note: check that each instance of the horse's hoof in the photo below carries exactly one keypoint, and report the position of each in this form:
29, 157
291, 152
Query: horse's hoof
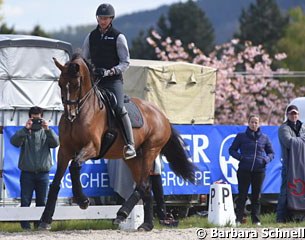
119, 219
145, 227
44, 226
84, 204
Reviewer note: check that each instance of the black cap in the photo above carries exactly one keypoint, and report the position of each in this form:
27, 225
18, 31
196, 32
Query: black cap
292, 108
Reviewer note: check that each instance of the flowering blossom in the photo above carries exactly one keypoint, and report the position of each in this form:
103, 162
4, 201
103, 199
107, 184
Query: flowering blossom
239, 94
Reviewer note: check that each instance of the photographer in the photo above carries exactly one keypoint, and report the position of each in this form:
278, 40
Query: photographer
35, 162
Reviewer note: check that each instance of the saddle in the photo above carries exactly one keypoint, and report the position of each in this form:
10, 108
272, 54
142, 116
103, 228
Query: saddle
114, 122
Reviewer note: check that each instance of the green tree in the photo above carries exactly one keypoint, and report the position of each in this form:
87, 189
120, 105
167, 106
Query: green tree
37, 31
185, 21
4, 29
141, 49
293, 44
262, 23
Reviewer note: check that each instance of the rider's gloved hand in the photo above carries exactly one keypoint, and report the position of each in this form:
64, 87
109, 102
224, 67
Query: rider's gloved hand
102, 72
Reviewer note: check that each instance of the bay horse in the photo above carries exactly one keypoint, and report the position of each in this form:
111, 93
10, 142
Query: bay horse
81, 129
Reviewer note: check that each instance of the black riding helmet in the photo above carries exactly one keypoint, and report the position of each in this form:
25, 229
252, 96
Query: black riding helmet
105, 10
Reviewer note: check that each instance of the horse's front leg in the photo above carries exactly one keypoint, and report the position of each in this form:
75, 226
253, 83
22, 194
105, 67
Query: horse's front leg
77, 189
87, 152
46, 218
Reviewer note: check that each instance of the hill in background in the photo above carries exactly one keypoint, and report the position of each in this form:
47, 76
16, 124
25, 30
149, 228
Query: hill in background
223, 14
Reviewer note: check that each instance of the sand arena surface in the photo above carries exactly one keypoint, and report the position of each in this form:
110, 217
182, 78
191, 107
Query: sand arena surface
163, 234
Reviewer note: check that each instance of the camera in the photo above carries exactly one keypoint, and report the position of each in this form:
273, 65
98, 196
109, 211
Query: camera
36, 123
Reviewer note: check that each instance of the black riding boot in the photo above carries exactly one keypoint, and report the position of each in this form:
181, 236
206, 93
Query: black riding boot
129, 149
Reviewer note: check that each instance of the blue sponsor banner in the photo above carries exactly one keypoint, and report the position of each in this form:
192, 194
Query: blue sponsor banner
94, 175
208, 145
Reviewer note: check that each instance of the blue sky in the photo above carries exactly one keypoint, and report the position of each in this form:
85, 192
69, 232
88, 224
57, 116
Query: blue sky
54, 15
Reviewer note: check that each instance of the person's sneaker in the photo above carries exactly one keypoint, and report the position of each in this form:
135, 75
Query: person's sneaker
44, 226
129, 152
257, 223
170, 222
238, 223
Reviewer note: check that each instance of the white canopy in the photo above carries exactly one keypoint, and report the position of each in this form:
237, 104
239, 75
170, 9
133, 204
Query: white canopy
28, 75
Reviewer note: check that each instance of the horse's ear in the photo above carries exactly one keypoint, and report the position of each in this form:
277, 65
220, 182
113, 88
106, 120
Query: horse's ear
61, 67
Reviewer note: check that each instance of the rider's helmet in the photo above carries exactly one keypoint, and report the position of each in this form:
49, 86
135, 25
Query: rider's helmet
105, 10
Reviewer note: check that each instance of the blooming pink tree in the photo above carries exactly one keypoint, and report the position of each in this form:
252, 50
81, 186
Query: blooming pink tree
255, 90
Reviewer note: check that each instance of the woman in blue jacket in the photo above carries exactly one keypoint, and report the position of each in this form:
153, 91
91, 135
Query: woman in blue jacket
253, 150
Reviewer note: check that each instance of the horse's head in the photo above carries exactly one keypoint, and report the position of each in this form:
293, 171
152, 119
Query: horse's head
75, 84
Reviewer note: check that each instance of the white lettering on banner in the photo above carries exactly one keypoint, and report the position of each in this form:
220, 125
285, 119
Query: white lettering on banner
84, 180
200, 143
98, 161
203, 178
169, 178
228, 164
54, 152
88, 180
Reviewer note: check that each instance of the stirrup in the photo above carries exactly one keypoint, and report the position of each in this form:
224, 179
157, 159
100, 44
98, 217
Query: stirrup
129, 152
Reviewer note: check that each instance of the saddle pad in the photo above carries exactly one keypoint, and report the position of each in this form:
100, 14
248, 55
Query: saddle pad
134, 114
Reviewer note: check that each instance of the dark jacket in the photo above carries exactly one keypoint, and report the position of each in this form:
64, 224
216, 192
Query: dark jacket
103, 50
253, 150
35, 155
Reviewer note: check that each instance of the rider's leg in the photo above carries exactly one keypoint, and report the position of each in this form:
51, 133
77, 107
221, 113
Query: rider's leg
116, 87
129, 149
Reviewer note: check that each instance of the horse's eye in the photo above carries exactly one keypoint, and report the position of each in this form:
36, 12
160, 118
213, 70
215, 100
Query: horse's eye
74, 84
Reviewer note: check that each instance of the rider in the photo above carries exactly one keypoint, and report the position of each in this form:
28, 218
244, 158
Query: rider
108, 51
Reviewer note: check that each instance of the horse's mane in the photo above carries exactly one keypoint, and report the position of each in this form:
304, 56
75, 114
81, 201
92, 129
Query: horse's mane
78, 55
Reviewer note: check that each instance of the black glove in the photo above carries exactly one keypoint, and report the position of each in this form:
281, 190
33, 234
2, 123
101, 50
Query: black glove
102, 72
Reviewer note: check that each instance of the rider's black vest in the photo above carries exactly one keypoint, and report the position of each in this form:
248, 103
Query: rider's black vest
103, 50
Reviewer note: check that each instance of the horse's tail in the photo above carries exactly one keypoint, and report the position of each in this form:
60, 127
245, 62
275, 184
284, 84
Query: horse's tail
178, 157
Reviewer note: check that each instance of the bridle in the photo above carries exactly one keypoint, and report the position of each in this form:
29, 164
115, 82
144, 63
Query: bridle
70, 112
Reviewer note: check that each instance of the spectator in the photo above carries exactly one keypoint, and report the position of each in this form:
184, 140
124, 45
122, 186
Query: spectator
253, 150
291, 129
35, 141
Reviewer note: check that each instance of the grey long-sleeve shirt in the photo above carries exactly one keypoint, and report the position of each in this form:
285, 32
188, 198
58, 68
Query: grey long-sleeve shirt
122, 49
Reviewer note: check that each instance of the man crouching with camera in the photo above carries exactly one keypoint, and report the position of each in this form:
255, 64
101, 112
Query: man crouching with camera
35, 161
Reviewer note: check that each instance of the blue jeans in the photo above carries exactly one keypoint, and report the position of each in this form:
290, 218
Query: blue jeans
30, 182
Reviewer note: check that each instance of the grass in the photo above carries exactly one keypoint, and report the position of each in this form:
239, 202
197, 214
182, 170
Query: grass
267, 220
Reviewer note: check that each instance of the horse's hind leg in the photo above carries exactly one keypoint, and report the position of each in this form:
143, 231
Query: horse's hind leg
140, 170
142, 191
129, 204
77, 189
